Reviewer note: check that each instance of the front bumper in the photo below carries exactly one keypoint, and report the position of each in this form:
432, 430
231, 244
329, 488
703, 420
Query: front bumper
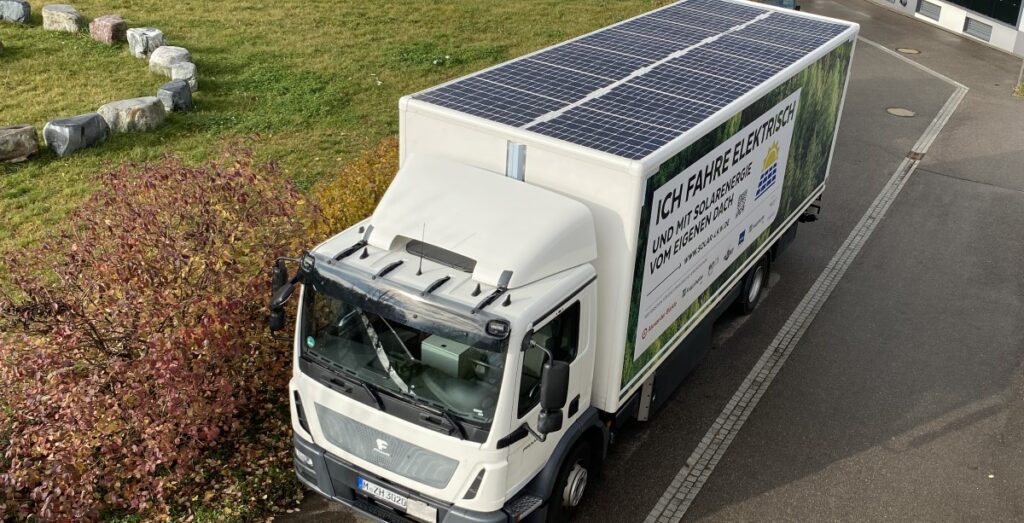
336, 479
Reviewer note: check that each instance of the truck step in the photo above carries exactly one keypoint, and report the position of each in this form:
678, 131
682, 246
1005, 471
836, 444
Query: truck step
523, 506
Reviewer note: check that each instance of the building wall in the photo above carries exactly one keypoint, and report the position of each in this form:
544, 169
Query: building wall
954, 17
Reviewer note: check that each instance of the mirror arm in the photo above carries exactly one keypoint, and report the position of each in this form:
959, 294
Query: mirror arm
538, 436
547, 353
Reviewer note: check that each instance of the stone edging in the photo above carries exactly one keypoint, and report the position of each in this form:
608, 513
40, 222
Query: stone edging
66, 135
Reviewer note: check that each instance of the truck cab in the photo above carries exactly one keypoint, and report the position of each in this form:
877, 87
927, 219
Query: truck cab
444, 348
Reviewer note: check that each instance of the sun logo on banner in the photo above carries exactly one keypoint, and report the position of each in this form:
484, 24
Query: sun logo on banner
771, 170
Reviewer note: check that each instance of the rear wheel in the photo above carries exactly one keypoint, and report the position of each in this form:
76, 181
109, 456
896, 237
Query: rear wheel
754, 284
577, 470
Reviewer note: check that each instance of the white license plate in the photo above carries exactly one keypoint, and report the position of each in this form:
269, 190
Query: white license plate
383, 494
412, 507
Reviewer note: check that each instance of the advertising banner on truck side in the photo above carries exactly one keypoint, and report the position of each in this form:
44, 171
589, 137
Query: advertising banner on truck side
716, 203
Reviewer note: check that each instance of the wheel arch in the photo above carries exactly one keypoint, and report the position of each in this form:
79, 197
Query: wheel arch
587, 428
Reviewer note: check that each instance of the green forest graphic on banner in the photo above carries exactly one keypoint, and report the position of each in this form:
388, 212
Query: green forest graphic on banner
822, 85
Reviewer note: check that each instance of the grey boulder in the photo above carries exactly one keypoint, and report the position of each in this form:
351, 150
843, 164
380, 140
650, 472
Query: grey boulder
61, 17
163, 58
142, 41
176, 96
186, 71
135, 114
17, 143
17, 11
67, 135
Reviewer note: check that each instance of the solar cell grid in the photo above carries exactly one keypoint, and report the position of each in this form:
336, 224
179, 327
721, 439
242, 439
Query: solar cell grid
631, 44
607, 133
725, 66
664, 30
740, 47
640, 110
592, 60
770, 35
726, 9
492, 101
712, 90
538, 77
632, 102
698, 19
704, 88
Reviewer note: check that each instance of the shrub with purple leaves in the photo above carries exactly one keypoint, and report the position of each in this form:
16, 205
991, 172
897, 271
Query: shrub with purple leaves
138, 376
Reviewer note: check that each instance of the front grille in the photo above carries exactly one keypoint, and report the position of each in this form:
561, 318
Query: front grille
386, 451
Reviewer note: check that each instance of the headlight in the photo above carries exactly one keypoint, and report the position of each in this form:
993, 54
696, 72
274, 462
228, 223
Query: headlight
304, 459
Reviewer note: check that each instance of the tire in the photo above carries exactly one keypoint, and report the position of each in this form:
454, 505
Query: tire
754, 284
579, 469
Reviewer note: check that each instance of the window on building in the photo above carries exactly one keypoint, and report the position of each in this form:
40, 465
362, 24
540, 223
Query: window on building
1006, 11
929, 9
978, 29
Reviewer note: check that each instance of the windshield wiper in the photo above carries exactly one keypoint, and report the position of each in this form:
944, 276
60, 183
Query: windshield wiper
348, 378
372, 391
452, 420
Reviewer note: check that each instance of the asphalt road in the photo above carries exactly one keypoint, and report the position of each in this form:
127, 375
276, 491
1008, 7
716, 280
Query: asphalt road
904, 400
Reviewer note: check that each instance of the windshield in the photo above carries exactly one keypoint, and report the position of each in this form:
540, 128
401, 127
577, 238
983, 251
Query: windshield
457, 370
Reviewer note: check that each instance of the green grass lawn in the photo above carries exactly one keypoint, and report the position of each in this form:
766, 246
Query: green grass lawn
318, 80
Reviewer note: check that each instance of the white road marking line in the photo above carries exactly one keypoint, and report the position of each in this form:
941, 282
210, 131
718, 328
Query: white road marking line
684, 488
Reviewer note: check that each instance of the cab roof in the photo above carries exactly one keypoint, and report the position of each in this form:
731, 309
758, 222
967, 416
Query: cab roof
514, 232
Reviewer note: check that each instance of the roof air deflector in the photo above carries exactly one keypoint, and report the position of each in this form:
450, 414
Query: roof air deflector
441, 256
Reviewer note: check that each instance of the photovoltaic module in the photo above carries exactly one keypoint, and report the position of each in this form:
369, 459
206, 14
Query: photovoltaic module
631, 88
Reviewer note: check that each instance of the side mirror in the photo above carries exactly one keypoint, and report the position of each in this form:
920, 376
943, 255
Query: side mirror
281, 292
281, 297
554, 385
549, 421
554, 390
280, 277
277, 320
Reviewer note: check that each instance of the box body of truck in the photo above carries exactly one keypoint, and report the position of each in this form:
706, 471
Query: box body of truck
675, 229
563, 232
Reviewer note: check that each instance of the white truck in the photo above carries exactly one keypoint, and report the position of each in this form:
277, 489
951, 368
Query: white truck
549, 261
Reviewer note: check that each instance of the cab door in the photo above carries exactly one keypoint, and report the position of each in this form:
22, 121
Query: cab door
568, 333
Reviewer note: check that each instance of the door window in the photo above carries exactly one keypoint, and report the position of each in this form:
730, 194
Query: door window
561, 336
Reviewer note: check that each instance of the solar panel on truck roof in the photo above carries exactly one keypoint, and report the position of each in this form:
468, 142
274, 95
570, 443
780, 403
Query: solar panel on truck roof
631, 88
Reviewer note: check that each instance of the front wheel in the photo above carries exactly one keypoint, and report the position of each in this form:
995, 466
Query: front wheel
576, 471
754, 284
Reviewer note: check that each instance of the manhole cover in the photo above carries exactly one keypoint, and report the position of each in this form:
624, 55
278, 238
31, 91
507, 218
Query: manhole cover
908, 50
901, 112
